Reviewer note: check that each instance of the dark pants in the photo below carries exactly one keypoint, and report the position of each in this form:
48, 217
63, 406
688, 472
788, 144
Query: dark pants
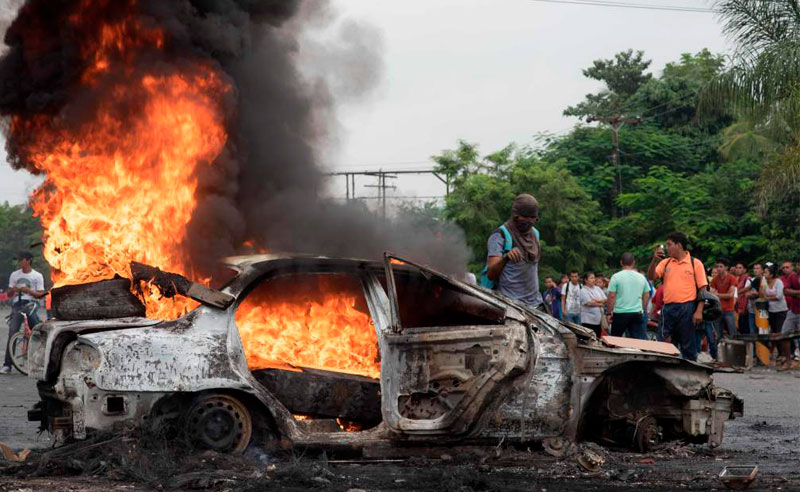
727, 321
776, 321
598, 329
744, 324
678, 324
707, 329
630, 323
15, 325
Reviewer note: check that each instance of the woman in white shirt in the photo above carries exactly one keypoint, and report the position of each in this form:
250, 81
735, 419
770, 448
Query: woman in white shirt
773, 292
592, 301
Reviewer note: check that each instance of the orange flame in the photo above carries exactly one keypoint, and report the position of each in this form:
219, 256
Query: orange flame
283, 322
121, 185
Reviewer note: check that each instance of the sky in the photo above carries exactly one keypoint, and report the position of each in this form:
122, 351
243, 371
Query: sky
491, 72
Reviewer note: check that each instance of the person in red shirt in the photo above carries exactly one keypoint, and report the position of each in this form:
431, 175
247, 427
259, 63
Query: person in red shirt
791, 291
723, 285
655, 311
741, 298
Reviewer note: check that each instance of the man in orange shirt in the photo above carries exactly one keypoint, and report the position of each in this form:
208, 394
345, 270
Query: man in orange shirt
682, 278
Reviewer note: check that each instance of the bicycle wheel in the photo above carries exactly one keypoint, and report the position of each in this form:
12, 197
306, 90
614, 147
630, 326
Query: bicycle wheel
18, 349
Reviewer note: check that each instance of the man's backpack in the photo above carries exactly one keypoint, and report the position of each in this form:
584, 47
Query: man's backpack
508, 245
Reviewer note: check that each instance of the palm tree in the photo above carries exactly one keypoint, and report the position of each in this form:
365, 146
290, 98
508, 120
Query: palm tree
764, 84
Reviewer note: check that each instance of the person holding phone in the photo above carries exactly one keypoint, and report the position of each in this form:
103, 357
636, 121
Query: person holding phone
682, 277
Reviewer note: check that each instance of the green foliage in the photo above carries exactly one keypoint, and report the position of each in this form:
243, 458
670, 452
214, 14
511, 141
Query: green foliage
19, 230
704, 173
762, 85
622, 76
711, 207
479, 202
586, 150
670, 101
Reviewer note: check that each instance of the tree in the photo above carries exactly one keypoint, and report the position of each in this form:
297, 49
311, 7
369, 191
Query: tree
762, 85
670, 101
714, 208
585, 151
481, 200
622, 76
19, 230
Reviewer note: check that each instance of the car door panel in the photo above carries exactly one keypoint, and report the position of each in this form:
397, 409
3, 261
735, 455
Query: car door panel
439, 380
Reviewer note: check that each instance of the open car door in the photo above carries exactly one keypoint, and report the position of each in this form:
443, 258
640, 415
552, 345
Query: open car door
450, 353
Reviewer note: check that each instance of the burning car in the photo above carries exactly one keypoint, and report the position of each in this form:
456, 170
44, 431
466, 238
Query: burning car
343, 353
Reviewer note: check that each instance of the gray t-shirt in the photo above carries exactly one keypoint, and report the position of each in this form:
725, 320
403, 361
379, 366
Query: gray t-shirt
592, 315
518, 281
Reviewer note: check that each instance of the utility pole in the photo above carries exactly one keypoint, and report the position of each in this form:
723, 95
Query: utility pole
350, 181
616, 123
382, 187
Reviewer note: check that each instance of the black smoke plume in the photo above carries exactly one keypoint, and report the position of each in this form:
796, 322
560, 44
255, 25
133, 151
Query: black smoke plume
264, 186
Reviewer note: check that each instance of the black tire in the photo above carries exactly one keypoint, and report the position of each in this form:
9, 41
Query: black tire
218, 422
18, 351
98, 300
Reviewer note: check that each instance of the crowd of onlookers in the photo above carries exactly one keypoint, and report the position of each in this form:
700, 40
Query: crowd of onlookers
771, 288
679, 299
582, 298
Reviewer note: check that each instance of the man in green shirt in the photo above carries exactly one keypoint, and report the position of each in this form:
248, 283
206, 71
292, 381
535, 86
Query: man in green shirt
628, 295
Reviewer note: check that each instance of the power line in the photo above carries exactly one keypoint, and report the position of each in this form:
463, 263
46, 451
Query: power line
400, 197
641, 6
379, 165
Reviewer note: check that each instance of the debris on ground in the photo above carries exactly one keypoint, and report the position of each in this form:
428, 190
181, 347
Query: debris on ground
591, 461
738, 477
11, 455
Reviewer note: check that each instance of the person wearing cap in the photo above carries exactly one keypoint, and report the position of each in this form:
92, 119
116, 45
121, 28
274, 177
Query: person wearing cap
24, 285
515, 272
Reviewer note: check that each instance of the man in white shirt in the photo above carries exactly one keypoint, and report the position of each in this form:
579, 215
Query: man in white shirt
571, 299
24, 285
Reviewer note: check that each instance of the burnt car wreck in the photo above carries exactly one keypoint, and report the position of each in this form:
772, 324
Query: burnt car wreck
458, 365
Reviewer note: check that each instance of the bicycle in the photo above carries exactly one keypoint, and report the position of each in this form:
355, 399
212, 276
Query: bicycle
18, 342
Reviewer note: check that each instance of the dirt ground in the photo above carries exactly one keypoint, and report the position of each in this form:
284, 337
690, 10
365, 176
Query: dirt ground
768, 436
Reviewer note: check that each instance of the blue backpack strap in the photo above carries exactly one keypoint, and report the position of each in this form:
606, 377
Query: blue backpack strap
509, 242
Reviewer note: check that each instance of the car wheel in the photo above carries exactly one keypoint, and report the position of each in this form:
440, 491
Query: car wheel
18, 351
219, 422
648, 434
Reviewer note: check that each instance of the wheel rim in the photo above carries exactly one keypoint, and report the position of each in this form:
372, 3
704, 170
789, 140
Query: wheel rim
19, 352
219, 422
649, 434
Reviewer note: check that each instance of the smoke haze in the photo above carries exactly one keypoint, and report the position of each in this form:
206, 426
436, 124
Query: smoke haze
290, 63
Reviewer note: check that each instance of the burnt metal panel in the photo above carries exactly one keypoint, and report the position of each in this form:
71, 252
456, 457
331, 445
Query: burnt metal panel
325, 394
539, 406
439, 382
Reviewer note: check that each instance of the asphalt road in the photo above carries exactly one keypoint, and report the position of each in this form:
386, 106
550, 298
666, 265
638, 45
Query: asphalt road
17, 395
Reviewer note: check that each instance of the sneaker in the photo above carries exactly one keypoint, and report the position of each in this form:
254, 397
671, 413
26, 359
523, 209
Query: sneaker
5, 370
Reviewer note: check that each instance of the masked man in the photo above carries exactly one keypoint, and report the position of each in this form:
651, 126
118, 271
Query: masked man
513, 259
